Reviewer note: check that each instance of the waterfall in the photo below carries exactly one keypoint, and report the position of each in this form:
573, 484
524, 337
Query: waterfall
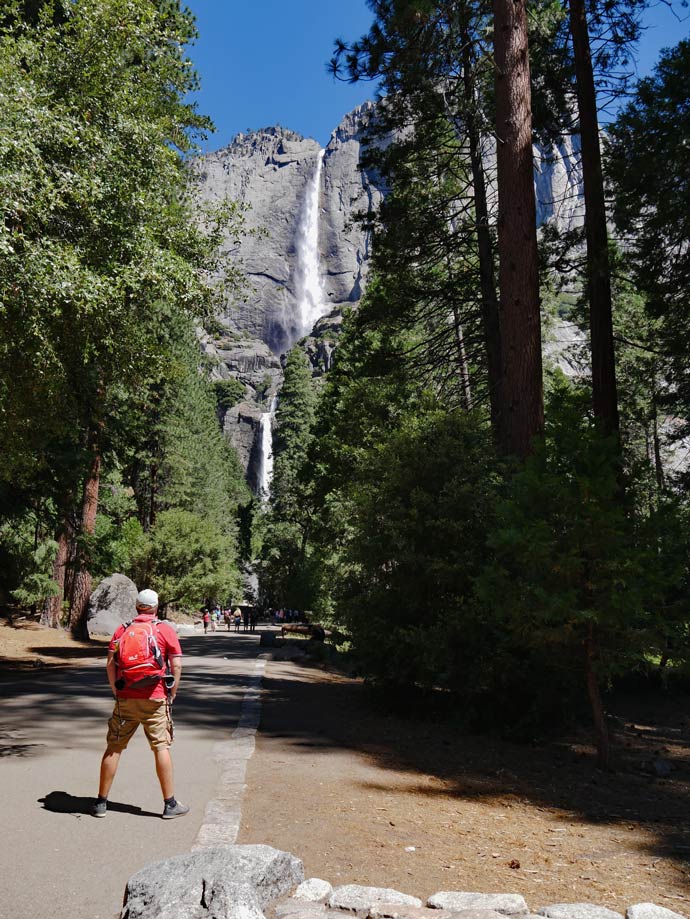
311, 300
265, 470
311, 305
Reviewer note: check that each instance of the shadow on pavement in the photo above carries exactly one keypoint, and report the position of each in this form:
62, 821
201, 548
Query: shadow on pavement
60, 802
58, 651
37, 704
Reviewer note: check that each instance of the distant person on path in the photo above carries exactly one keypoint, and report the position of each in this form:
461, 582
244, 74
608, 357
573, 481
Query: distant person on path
144, 668
237, 615
245, 619
253, 618
227, 615
207, 619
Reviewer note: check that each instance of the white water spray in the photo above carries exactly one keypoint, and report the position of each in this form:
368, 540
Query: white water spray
265, 471
311, 300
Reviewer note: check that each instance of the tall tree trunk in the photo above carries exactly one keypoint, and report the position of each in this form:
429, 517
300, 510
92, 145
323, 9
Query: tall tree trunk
52, 610
463, 369
154, 496
598, 715
81, 587
521, 410
604, 393
487, 281
658, 462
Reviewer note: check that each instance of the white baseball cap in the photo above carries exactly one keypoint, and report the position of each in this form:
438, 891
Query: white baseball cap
147, 599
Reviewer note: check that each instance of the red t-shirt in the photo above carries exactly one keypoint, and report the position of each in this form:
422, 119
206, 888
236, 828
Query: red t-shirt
169, 645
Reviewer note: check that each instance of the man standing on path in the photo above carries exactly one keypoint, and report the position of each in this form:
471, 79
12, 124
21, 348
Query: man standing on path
144, 691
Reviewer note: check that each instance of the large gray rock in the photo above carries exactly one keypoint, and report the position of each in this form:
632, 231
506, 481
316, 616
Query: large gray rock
509, 904
477, 914
270, 171
242, 425
296, 909
401, 911
234, 882
354, 898
348, 190
577, 911
650, 911
112, 603
314, 889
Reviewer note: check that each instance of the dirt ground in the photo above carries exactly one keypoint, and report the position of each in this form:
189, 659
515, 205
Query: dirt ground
364, 797
27, 645
370, 798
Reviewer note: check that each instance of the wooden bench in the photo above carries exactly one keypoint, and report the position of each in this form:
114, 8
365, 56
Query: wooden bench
315, 632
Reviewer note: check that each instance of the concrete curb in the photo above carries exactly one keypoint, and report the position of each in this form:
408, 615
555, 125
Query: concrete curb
223, 813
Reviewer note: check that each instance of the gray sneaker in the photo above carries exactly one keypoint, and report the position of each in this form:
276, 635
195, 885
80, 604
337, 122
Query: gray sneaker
177, 810
99, 808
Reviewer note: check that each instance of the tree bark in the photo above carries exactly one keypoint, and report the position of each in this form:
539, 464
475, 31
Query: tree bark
604, 391
656, 441
81, 587
598, 715
487, 281
52, 610
521, 409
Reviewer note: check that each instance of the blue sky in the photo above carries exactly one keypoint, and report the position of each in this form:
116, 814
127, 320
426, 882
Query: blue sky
263, 62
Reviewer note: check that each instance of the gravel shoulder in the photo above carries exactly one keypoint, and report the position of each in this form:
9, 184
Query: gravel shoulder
366, 797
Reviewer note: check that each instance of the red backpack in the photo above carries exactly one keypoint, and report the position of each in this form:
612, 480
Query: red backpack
139, 659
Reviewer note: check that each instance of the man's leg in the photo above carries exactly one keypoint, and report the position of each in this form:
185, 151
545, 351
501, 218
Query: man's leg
109, 764
164, 771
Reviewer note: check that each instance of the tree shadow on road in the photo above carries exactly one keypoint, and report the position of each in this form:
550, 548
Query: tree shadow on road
60, 802
36, 704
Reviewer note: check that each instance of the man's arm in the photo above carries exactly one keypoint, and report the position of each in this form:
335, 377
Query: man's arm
176, 668
111, 670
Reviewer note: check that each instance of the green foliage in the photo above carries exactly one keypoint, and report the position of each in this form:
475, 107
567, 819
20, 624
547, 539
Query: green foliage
288, 577
263, 387
199, 470
567, 555
119, 534
103, 271
417, 526
33, 566
228, 392
187, 558
647, 164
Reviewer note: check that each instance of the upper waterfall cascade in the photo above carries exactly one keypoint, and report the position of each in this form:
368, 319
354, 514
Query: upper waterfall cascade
309, 290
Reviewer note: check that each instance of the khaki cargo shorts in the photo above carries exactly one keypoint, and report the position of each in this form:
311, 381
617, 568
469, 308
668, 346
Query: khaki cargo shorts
128, 714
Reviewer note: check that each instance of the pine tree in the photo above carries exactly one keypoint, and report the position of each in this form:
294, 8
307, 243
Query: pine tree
647, 163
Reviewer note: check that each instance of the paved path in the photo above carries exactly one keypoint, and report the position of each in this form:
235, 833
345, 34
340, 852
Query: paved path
58, 862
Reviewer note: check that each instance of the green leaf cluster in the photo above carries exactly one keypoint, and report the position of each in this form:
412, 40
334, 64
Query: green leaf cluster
104, 269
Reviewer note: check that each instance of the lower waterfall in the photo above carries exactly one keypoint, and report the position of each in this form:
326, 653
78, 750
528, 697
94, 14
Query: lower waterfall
265, 466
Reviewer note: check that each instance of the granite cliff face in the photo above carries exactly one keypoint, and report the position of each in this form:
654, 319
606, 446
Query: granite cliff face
302, 204
270, 171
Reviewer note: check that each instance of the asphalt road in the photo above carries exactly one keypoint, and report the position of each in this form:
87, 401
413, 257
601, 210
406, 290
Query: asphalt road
56, 860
